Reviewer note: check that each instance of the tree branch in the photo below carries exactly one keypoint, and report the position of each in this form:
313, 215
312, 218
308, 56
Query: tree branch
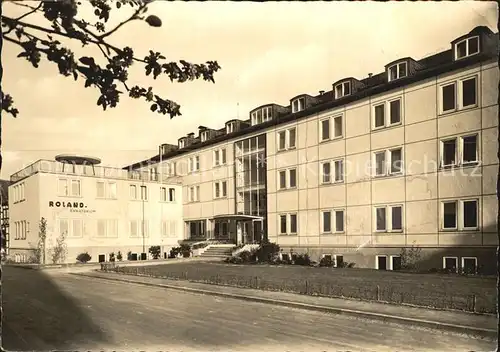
133, 17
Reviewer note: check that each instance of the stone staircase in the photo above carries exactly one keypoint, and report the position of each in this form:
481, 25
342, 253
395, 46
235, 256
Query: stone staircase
220, 251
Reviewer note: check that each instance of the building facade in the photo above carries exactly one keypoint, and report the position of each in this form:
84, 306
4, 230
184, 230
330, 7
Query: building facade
406, 157
98, 210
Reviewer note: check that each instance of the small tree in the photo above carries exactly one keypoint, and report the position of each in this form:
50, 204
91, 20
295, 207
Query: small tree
267, 252
42, 238
155, 251
410, 257
119, 256
112, 256
59, 251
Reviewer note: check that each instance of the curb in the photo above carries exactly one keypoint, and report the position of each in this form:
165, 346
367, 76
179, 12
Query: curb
461, 329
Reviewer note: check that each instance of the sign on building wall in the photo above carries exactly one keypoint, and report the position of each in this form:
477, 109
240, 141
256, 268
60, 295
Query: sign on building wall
74, 207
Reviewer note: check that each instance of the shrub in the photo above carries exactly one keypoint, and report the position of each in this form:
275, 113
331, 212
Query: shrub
247, 257
129, 255
119, 256
112, 256
155, 251
185, 250
327, 262
267, 252
346, 265
233, 260
302, 259
174, 252
83, 257
410, 257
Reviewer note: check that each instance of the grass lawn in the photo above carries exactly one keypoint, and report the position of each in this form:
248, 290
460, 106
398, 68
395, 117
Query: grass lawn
431, 290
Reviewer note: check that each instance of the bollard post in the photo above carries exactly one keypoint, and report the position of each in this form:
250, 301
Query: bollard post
474, 303
378, 293
307, 287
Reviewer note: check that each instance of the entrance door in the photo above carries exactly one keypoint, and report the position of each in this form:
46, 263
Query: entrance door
257, 231
382, 262
102, 258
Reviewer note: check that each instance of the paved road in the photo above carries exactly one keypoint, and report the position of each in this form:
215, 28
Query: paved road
61, 311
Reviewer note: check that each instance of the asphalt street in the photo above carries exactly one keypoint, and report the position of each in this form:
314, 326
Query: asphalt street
44, 311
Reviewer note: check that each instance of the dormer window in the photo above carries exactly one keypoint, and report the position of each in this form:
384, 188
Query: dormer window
466, 47
298, 104
397, 71
230, 127
182, 143
205, 136
262, 115
342, 89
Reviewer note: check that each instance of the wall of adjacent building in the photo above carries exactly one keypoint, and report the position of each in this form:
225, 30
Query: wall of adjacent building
87, 209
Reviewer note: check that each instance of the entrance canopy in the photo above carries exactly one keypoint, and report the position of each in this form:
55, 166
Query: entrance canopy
240, 217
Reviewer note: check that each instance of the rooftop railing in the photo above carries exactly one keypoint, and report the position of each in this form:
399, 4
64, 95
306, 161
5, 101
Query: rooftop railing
54, 167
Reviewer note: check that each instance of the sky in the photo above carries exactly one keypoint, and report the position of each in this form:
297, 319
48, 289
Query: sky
269, 53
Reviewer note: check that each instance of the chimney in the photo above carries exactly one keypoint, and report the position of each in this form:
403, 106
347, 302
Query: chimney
190, 135
370, 75
321, 92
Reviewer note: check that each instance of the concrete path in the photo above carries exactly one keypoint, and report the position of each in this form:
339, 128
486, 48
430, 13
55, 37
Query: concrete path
461, 322
71, 312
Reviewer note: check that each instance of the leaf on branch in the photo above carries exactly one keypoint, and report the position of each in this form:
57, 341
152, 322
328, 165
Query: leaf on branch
153, 21
89, 61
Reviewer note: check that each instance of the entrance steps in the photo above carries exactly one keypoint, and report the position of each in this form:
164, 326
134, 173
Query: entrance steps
216, 250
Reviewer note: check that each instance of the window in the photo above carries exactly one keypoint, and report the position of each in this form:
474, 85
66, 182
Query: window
288, 224
230, 127
469, 93
63, 189
182, 143
220, 157
287, 139
133, 192
163, 194
101, 228
469, 265
338, 171
448, 152
337, 127
332, 221
325, 170
380, 164
338, 131
342, 90
395, 263
153, 174
389, 218
171, 194
448, 97
449, 215
397, 71
106, 190
393, 108
466, 48
466, 154
262, 115
75, 188
298, 105
194, 193
469, 208
460, 214
450, 263
395, 159
205, 136
144, 193
168, 228
21, 230
285, 182
220, 189
194, 163
77, 228
18, 191
465, 97
388, 162
138, 228
292, 182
